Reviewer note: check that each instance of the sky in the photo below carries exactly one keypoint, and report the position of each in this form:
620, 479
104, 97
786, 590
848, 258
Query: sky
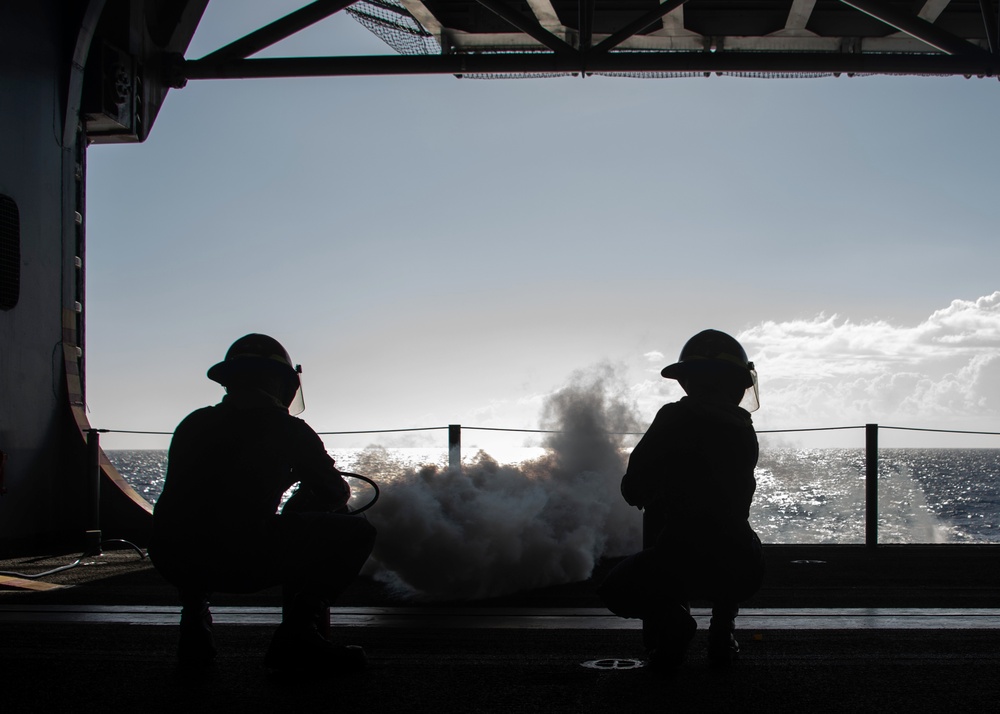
440, 251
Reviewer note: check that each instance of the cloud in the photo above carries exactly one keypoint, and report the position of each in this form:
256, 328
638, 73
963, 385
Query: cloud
828, 370
970, 324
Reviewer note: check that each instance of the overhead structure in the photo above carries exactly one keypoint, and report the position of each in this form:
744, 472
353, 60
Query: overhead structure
642, 38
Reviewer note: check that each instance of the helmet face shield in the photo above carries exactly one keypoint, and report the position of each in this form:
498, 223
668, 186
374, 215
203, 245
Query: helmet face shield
751, 398
298, 404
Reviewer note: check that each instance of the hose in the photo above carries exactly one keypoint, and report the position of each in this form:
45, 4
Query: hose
375, 491
29, 576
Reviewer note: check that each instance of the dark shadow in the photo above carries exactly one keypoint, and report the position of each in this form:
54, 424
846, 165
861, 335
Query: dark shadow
692, 474
216, 525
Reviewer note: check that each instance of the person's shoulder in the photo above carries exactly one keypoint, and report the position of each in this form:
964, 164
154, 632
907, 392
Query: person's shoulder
299, 426
668, 416
680, 405
200, 416
672, 409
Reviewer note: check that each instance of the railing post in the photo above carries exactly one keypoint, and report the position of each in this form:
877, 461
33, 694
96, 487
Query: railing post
93, 534
455, 447
871, 485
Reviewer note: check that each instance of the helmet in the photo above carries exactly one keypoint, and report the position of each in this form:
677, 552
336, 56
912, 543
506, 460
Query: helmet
715, 352
258, 354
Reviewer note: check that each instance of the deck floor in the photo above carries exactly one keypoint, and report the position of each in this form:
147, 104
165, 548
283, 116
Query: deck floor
104, 640
491, 662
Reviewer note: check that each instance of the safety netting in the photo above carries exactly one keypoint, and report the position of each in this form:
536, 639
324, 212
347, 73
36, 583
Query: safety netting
393, 24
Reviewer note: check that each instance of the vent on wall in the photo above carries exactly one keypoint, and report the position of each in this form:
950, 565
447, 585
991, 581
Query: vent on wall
10, 253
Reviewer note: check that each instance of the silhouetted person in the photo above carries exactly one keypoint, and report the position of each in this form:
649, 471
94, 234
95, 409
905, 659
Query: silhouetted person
216, 526
693, 475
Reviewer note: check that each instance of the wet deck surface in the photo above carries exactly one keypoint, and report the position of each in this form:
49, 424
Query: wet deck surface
751, 620
106, 640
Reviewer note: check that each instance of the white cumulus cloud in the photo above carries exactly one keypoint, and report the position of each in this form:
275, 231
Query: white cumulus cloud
941, 373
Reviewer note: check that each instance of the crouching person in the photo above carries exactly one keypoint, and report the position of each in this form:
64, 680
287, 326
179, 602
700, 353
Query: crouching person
216, 527
693, 475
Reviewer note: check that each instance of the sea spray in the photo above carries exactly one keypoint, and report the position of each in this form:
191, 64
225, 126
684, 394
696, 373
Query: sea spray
818, 496
904, 514
490, 529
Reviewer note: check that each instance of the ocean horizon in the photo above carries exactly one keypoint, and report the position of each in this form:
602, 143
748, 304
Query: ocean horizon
531, 516
803, 495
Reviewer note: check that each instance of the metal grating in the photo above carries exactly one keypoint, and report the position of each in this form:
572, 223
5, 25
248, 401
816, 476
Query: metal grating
392, 23
10, 253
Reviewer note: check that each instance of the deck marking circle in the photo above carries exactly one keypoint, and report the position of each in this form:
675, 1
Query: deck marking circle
613, 663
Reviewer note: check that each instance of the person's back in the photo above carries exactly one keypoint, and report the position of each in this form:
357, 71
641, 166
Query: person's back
693, 471
228, 467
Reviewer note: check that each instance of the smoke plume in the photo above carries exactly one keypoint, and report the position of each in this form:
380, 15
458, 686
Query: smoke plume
492, 529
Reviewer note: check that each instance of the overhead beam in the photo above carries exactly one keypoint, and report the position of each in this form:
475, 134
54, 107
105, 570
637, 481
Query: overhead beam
586, 23
279, 30
799, 14
427, 20
529, 26
932, 9
673, 26
915, 27
990, 23
636, 26
780, 42
545, 13
981, 64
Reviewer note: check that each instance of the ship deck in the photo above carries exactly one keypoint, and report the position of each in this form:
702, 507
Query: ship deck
836, 631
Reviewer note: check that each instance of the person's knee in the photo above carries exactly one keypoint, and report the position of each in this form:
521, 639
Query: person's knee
366, 534
351, 532
623, 588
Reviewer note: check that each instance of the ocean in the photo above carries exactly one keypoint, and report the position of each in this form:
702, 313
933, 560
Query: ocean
803, 495
531, 516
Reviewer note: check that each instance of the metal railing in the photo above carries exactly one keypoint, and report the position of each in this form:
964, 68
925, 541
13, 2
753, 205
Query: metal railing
455, 459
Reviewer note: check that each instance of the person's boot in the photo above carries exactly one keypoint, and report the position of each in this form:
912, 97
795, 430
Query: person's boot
300, 647
195, 647
299, 642
672, 633
723, 648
